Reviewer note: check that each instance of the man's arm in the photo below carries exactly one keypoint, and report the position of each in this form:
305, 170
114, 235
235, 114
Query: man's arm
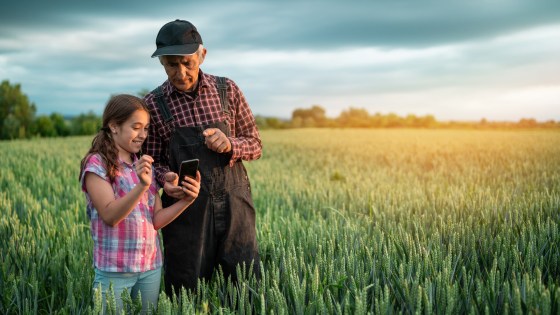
246, 144
153, 146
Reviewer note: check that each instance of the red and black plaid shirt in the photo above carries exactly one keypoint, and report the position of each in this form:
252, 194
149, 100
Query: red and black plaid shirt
204, 108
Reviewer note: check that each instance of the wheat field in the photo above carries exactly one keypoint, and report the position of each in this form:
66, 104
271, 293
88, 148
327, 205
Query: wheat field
349, 221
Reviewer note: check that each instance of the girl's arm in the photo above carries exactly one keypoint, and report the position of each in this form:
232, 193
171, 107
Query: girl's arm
164, 216
112, 211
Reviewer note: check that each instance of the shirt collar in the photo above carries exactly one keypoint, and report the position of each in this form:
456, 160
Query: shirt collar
129, 165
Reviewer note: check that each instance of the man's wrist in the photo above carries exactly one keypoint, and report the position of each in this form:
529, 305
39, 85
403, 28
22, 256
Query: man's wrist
161, 176
235, 152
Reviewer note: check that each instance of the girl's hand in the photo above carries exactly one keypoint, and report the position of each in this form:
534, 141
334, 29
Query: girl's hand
191, 187
144, 169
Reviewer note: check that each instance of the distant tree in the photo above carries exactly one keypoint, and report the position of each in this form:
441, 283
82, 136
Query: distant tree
270, 122
414, 121
428, 121
86, 124
313, 117
10, 127
319, 115
411, 120
275, 123
16, 111
551, 124
44, 127
60, 125
377, 120
297, 122
309, 122
354, 117
528, 123
261, 122
393, 120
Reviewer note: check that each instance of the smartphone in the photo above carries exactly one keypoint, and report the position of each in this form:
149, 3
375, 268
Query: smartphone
188, 168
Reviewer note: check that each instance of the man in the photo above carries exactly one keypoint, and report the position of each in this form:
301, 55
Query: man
190, 120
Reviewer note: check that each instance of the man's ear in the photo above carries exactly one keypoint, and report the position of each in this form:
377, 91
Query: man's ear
203, 55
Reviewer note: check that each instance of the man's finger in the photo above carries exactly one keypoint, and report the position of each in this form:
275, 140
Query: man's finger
170, 177
209, 132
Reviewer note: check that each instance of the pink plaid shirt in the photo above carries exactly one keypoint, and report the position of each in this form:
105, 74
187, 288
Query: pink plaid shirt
204, 109
132, 245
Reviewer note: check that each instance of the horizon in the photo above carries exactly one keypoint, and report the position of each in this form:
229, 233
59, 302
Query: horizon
287, 119
455, 61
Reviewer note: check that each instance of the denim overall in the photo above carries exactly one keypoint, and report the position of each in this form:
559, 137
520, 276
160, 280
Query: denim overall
219, 227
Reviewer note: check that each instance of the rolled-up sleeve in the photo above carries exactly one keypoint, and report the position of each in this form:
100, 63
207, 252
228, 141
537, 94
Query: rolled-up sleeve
246, 144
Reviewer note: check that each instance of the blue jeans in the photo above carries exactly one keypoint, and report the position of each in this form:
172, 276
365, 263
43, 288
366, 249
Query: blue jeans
147, 283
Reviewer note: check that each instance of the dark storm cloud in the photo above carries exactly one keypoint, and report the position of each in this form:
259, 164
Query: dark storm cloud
385, 24
303, 25
31, 14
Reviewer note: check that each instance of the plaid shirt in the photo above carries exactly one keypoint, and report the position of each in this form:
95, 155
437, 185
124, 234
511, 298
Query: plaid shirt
133, 244
204, 108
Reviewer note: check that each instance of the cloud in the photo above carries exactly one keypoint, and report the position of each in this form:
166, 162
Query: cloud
299, 25
404, 57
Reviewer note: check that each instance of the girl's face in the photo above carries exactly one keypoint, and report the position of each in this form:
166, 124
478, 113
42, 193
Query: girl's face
130, 135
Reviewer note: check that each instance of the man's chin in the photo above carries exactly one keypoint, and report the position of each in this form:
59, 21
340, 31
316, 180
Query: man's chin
183, 87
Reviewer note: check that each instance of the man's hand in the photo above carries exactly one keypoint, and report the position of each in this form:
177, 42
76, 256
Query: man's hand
216, 140
170, 186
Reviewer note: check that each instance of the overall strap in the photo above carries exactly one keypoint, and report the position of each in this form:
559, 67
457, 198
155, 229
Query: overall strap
162, 104
221, 84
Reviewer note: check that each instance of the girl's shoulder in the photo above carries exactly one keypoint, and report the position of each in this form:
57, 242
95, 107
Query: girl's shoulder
94, 163
94, 159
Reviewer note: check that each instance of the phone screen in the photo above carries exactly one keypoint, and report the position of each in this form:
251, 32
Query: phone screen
188, 168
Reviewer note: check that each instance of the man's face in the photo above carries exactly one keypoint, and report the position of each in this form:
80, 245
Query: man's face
182, 71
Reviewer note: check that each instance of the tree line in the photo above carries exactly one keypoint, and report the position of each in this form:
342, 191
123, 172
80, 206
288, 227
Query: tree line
18, 119
315, 117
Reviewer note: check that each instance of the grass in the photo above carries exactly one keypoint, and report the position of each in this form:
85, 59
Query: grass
348, 221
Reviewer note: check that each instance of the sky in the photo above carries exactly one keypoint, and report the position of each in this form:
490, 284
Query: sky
456, 60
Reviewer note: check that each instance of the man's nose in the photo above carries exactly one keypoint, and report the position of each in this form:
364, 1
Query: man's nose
181, 71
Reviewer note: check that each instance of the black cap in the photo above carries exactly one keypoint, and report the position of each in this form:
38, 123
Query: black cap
177, 38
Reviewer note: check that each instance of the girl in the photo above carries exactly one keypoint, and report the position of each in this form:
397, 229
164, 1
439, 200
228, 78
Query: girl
123, 203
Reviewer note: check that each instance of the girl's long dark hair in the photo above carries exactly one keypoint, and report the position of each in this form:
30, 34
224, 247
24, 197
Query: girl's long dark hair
118, 109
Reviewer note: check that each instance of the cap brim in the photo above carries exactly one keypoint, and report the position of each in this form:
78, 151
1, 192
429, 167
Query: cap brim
188, 49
